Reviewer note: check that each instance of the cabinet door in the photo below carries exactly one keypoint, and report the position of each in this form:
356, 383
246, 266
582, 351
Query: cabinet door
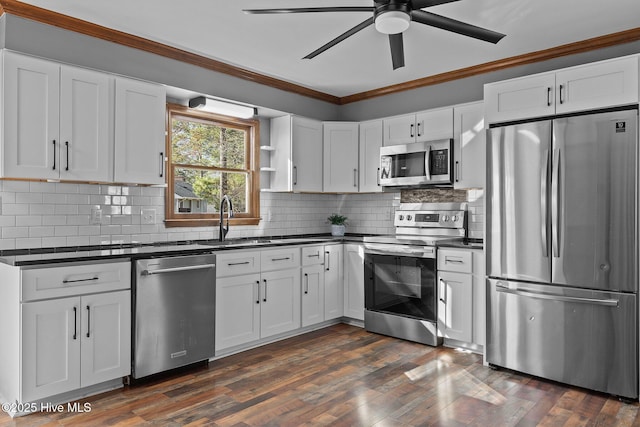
280, 302
86, 149
31, 118
455, 306
50, 347
520, 98
333, 282
479, 299
340, 150
434, 124
369, 164
399, 129
354, 281
469, 146
312, 294
105, 337
281, 179
237, 310
139, 132
599, 85
306, 142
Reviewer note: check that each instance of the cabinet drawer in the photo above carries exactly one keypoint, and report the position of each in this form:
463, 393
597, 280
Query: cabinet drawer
312, 255
277, 259
74, 279
455, 260
237, 262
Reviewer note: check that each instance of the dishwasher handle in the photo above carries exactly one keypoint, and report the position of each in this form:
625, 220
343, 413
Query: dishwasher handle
177, 269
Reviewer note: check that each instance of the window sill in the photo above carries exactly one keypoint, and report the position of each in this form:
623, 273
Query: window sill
192, 222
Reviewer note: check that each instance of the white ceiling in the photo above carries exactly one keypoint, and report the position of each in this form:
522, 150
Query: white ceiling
273, 45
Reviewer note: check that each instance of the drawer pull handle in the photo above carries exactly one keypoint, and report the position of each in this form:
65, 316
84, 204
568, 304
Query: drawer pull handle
314, 255
81, 280
238, 263
455, 261
281, 259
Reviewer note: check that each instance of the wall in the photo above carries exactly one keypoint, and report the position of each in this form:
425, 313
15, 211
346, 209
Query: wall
47, 214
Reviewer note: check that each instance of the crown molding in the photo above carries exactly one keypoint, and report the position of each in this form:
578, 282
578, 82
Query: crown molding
23, 10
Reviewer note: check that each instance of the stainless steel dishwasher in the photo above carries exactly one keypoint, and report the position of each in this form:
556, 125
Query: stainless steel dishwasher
174, 312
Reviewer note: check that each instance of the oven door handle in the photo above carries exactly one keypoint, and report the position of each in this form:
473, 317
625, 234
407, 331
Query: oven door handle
426, 253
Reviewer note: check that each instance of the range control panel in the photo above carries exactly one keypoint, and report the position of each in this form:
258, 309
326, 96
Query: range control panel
429, 219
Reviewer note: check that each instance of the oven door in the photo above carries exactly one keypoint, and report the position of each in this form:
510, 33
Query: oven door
420, 163
401, 284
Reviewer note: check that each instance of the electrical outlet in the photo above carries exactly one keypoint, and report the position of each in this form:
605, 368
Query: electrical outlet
148, 216
96, 215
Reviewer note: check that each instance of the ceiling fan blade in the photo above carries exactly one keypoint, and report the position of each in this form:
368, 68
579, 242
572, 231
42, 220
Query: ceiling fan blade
341, 37
459, 27
310, 9
397, 50
421, 4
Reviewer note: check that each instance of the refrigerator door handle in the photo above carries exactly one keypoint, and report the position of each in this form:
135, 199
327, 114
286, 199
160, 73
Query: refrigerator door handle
543, 203
545, 296
555, 204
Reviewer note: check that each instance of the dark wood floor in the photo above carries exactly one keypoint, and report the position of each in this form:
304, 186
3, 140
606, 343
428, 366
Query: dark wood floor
345, 376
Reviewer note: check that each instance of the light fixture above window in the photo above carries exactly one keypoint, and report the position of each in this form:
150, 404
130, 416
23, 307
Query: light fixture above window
221, 107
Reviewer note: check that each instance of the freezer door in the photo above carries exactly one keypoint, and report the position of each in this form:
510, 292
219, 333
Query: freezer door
518, 171
579, 337
593, 201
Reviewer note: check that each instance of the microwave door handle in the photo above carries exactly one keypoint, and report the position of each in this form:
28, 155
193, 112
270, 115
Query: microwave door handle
427, 164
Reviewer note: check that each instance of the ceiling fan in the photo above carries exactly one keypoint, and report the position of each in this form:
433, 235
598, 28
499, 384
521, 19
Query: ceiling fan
392, 17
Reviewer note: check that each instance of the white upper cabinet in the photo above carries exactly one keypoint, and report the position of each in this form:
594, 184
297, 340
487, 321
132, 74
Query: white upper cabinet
597, 85
469, 146
59, 124
603, 84
297, 142
369, 163
56, 121
340, 147
423, 126
86, 151
139, 132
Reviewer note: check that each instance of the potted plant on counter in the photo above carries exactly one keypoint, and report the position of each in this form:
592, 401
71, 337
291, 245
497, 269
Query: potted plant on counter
338, 223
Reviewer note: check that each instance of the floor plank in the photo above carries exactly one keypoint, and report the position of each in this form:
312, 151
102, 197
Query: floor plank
345, 376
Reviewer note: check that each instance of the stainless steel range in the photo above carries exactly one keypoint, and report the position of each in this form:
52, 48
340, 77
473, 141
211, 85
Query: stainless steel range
400, 271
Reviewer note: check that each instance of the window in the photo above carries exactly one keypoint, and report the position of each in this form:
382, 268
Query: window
210, 156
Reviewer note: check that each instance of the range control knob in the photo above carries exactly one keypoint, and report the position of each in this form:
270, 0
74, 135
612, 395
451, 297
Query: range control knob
409, 217
454, 218
445, 218
400, 217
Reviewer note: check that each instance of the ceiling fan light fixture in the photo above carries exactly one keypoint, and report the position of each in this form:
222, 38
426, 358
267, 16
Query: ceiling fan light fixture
392, 22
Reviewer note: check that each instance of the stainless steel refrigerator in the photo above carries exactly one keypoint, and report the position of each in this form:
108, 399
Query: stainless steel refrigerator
562, 249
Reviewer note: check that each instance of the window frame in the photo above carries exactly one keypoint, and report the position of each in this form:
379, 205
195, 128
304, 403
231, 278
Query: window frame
252, 127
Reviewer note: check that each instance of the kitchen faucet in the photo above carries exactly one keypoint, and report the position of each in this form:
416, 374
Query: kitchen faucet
224, 231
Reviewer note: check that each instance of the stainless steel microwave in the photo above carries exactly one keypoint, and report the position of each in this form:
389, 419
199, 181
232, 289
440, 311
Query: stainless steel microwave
417, 164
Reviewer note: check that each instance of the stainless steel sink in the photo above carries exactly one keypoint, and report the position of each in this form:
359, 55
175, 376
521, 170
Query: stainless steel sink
233, 243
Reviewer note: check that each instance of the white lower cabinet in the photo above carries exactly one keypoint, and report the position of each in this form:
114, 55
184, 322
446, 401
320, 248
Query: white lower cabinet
322, 289
354, 281
461, 295
75, 342
257, 305
71, 330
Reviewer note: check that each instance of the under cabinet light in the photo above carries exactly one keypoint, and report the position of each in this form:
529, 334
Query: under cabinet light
221, 107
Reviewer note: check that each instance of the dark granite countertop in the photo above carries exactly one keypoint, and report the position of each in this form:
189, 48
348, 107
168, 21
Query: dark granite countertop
41, 256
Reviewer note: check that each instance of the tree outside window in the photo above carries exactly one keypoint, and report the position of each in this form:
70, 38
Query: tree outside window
210, 156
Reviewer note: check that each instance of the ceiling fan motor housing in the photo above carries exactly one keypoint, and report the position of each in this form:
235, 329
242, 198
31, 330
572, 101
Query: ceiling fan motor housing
392, 18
